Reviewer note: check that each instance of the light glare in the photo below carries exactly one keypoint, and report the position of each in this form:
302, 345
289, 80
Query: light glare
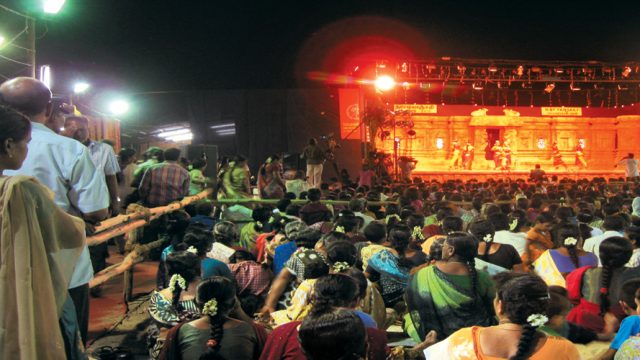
52, 6
80, 87
119, 107
384, 83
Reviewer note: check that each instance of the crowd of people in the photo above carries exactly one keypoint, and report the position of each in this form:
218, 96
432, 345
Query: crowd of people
502, 269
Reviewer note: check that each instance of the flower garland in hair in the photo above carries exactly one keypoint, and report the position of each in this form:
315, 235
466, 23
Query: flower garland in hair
513, 224
232, 163
192, 250
179, 280
259, 223
269, 160
341, 266
537, 320
339, 229
210, 308
417, 233
487, 238
570, 241
392, 216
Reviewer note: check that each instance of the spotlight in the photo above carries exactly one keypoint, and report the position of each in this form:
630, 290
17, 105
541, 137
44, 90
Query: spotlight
559, 70
574, 87
45, 75
477, 86
2, 40
439, 143
626, 72
119, 107
80, 87
549, 88
385, 83
493, 68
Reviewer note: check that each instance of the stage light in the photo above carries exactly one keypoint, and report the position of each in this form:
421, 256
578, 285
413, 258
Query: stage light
439, 143
549, 88
119, 107
406, 85
527, 85
626, 72
52, 6
623, 87
574, 87
493, 68
45, 75
80, 87
559, 70
384, 83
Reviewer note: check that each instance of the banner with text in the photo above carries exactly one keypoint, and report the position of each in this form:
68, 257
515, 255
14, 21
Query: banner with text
561, 111
417, 108
349, 114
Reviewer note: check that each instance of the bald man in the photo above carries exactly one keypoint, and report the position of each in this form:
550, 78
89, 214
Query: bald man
65, 166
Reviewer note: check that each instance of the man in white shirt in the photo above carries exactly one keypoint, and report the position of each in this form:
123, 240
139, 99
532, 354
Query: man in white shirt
630, 166
613, 226
65, 166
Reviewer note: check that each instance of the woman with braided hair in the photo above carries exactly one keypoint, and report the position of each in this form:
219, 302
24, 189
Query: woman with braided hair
493, 256
451, 294
215, 335
555, 264
520, 304
175, 303
598, 290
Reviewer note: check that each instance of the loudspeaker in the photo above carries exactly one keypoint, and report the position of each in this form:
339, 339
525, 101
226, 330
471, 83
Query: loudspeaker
209, 152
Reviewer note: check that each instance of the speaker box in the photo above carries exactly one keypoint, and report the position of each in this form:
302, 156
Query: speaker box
210, 152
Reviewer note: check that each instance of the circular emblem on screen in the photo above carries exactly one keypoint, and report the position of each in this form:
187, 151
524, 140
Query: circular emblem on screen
353, 112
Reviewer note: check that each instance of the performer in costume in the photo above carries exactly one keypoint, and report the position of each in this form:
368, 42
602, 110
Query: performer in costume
467, 156
497, 154
580, 160
506, 155
455, 155
557, 156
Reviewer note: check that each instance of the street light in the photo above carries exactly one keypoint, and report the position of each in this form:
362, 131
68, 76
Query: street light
80, 87
119, 107
52, 6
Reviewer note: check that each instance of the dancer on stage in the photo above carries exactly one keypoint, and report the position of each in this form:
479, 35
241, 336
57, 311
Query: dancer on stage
454, 163
580, 160
506, 155
557, 157
497, 154
467, 156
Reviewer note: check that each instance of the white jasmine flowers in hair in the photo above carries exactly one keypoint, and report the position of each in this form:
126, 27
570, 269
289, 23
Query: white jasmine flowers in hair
417, 233
513, 224
487, 238
537, 320
570, 241
177, 280
341, 266
396, 216
192, 250
259, 223
210, 307
340, 229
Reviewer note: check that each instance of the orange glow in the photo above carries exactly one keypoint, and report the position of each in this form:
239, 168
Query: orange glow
385, 83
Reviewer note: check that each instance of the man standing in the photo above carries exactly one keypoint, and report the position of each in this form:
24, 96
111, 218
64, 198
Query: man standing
630, 167
166, 182
315, 159
65, 166
105, 161
537, 174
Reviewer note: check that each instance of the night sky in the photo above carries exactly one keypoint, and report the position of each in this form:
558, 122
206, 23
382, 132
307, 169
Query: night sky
152, 45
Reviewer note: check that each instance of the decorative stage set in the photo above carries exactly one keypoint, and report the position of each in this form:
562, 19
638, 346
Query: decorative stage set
492, 121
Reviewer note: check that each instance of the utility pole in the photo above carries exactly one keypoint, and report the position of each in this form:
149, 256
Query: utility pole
31, 36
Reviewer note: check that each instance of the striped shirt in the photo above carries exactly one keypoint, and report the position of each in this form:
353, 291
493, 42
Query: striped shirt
164, 183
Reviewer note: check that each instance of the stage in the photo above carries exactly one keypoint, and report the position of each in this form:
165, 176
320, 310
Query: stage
484, 175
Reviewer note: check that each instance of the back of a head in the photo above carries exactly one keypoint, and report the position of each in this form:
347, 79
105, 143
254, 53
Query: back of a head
183, 263
343, 252
306, 238
356, 205
465, 245
614, 223
314, 194
399, 237
615, 252
335, 335
13, 125
216, 297
451, 223
481, 228
27, 95
333, 290
499, 220
126, 154
376, 232
225, 232
172, 154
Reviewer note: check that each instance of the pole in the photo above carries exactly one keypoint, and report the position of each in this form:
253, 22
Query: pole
31, 35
